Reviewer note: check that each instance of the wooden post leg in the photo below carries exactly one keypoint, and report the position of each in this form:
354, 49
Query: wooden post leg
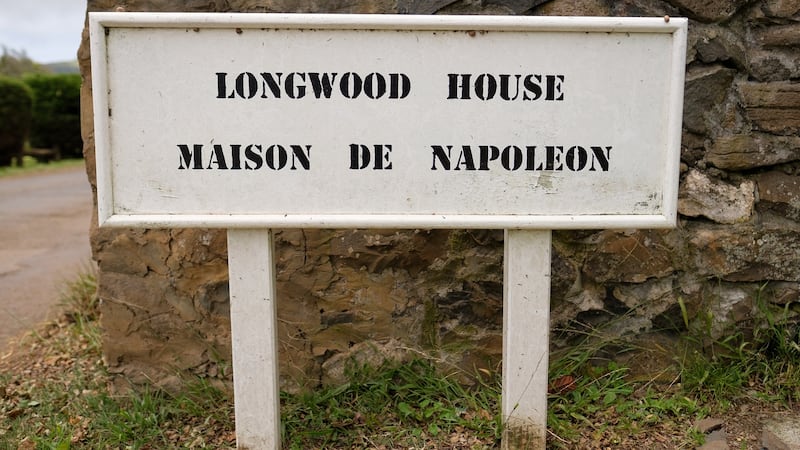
253, 333
526, 326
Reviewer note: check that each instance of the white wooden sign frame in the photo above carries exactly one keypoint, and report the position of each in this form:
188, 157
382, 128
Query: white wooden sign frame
137, 189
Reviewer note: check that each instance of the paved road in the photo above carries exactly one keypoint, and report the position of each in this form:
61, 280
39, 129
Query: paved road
44, 242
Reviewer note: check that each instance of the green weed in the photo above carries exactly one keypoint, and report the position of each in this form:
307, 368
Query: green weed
79, 302
55, 394
405, 405
763, 359
592, 394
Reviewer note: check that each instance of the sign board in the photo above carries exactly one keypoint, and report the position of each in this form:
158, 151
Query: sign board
257, 120
254, 121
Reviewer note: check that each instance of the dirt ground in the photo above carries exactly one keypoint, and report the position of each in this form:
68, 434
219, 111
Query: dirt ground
45, 242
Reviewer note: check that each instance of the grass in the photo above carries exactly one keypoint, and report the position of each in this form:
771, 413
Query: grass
593, 399
30, 165
754, 366
764, 355
394, 406
54, 395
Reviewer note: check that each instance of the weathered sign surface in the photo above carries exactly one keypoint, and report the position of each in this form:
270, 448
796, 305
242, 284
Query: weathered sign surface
257, 121
401, 121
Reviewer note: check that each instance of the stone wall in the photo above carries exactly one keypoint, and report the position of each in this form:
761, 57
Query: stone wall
370, 292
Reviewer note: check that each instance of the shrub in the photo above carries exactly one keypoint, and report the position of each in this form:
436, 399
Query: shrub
56, 113
16, 102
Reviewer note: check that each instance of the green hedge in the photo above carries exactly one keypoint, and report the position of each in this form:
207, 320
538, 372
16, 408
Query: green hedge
16, 103
56, 113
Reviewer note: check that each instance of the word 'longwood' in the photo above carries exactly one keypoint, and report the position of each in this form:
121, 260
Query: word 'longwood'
295, 85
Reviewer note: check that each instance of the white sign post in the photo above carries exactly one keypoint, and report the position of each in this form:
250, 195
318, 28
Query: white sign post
256, 121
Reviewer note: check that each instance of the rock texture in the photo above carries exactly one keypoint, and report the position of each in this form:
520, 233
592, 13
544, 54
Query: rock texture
373, 294
721, 202
781, 434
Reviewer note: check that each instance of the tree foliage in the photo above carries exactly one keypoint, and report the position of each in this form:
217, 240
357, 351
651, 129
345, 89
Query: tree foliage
16, 103
56, 113
16, 64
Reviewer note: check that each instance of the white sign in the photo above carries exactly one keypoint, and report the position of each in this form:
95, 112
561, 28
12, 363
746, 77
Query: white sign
256, 121
403, 121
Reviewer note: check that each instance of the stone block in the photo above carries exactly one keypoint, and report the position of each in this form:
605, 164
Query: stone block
367, 353
783, 292
710, 10
779, 192
709, 424
710, 43
775, 64
781, 434
518, 6
629, 256
131, 251
778, 36
727, 306
650, 299
746, 252
584, 8
422, 6
720, 250
706, 87
781, 8
700, 195
641, 8
772, 107
749, 151
693, 148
